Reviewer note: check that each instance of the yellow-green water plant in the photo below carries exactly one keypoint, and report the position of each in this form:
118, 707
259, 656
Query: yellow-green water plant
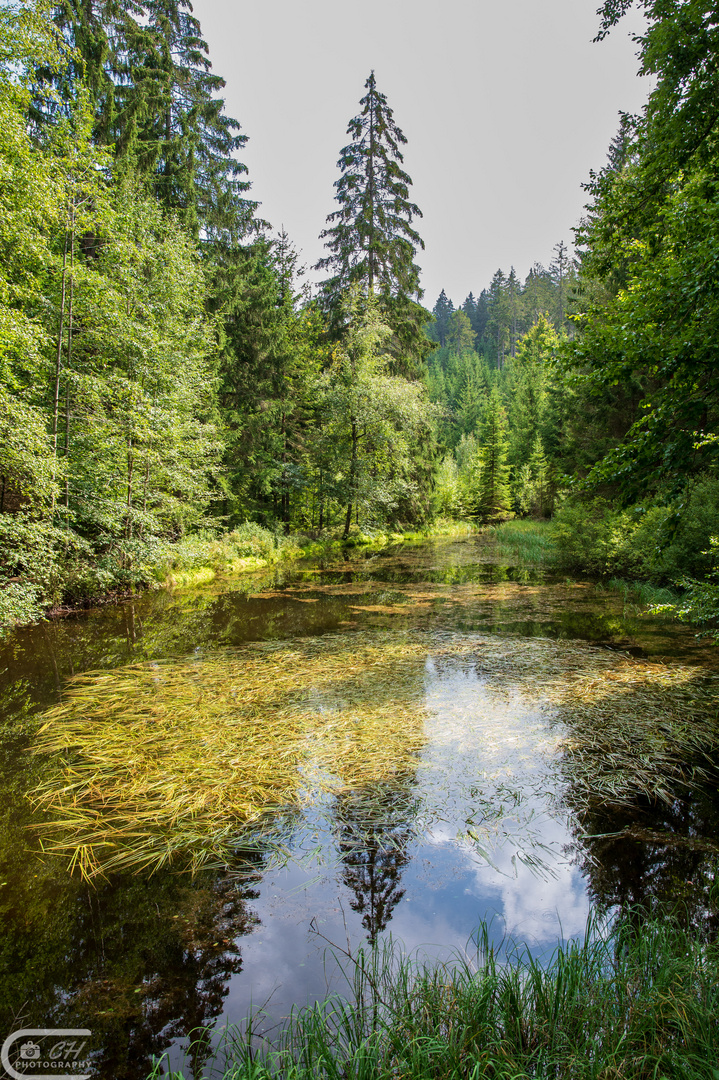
184, 760
166, 759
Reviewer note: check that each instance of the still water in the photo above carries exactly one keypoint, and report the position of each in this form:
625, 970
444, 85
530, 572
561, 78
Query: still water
481, 825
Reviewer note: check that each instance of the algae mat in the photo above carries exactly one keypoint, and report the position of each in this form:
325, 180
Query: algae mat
190, 760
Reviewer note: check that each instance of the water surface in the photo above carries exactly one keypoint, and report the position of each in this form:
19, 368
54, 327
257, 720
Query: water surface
481, 826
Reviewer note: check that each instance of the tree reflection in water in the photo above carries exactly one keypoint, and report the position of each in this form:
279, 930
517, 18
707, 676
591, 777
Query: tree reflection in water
374, 827
150, 962
653, 857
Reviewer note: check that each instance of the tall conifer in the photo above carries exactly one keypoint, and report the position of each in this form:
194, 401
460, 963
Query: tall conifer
441, 311
370, 238
493, 496
155, 99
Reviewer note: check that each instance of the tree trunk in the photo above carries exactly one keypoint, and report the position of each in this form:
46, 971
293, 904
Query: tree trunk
130, 466
352, 483
58, 361
348, 521
68, 364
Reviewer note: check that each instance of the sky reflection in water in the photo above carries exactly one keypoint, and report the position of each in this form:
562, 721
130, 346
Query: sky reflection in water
477, 831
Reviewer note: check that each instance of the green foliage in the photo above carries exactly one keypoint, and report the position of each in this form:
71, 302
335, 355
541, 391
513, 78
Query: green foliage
493, 498
636, 999
154, 99
108, 438
19, 603
648, 308
596, 539
699, 603
447, 497
533, 488
669, 543
245, 547
370, 421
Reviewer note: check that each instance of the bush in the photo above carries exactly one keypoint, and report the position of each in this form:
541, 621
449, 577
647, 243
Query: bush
664, 544
18, 604
687, 543
596, 539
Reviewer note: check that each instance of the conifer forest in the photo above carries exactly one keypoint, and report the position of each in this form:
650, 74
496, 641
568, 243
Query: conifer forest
166, 375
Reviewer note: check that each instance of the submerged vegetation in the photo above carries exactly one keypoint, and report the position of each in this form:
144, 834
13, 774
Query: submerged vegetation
638, 1000
181, 760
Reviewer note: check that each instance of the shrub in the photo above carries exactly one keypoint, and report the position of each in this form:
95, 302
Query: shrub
594, 538
18, 604
686, 550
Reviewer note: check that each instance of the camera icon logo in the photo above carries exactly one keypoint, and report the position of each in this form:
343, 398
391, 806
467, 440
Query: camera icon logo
27, 1051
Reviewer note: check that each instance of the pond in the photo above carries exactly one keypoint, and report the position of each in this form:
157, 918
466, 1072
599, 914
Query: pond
472, 742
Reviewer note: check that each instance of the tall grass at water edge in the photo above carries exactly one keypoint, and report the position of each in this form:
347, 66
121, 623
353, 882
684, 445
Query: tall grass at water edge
523, 542
637, 1001
641, 593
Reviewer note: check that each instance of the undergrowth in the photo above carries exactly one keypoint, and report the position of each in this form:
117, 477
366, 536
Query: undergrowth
642, 593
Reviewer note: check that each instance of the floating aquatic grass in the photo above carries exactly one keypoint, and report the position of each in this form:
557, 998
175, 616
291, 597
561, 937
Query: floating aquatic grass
190, 759
163, 758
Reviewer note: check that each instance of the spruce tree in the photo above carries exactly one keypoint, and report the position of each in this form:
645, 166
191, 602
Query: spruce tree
460, 335
441, 311
560, 270
155, 100
493, 497
513, 305
370, 238
499, 317
480, 316
195, 171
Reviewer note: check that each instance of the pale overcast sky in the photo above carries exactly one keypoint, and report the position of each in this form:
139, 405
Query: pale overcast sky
506, 105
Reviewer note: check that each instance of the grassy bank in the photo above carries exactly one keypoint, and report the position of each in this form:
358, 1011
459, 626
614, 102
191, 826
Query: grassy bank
251, 547
640, 1001
65, 578
523, 542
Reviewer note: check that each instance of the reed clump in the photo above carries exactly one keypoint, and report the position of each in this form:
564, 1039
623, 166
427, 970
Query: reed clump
637, 1001
189, 759
523, 542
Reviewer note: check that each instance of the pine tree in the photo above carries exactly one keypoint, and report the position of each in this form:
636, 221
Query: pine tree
370, 238
493, 496
441, 311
